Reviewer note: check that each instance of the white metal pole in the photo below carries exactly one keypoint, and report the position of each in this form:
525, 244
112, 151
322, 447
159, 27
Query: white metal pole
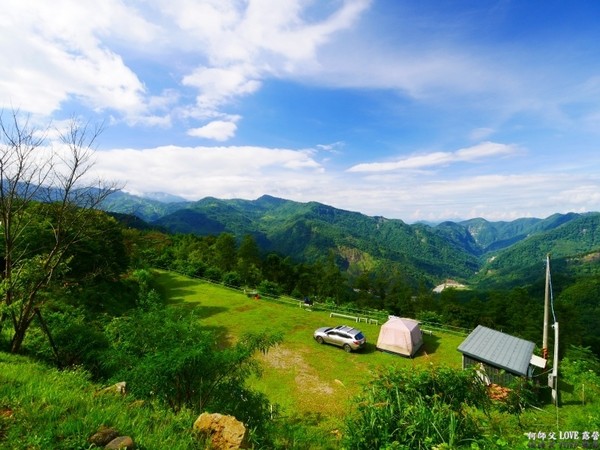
555, 367
546, 310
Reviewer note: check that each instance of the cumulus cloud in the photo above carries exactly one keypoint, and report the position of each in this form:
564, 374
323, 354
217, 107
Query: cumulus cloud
435, 159
210, 171
249, 172
56, 53
66, 50
217, 85
219, 130
245, 45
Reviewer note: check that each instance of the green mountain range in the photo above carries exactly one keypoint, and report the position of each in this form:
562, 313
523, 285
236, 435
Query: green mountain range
474, 251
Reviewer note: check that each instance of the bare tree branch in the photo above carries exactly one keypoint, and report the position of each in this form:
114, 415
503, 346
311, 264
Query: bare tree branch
32, 171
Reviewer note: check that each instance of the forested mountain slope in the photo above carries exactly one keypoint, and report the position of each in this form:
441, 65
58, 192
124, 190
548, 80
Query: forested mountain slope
574, 242
472, 250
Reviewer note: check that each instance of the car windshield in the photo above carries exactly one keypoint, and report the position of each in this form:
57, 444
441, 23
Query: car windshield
358, 336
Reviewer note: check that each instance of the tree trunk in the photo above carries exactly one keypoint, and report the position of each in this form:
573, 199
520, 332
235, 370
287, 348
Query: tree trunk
18, 337
44, 326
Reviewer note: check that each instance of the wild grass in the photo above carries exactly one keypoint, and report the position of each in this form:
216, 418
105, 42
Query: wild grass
43, 408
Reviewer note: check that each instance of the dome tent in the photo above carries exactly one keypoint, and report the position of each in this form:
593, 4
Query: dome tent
400, 335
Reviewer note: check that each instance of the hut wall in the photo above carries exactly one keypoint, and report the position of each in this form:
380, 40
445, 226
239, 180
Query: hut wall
495, 374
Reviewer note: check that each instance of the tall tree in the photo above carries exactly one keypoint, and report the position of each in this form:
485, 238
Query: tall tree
331, 280
225, 251
249, 263
32, 170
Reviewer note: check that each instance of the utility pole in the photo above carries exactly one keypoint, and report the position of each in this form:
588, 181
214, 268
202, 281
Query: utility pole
552, 377
546, 310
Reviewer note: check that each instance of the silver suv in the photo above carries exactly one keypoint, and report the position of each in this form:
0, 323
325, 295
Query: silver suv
343, 336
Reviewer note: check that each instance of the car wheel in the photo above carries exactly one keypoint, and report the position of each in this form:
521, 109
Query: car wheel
319, 339
347, 348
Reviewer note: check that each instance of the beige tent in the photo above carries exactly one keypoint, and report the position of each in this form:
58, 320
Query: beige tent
400, 335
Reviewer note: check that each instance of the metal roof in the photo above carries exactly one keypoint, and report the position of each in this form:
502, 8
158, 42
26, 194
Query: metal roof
498, 349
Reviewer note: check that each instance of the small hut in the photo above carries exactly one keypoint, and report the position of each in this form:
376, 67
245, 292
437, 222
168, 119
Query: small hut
499, 357
400, 335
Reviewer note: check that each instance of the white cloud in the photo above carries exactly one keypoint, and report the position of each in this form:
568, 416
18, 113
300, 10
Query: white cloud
495, 197
245, 45
484, 150
470, 154
258, 32
68, 50
220, 85
218, 130
334, 147
55, 53
481, 133
249, 172
196, 172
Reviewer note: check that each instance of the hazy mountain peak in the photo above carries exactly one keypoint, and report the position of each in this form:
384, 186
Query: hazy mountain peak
163, 197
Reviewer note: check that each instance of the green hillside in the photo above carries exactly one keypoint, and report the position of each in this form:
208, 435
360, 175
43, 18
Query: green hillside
567, 243
429, 254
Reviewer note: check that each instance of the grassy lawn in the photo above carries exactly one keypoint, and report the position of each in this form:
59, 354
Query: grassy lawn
305, 378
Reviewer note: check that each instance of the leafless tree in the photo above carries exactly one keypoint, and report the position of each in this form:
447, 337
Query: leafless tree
34, 171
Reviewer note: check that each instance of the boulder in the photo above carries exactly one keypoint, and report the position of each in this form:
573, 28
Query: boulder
223, 432
121, 442
103, 436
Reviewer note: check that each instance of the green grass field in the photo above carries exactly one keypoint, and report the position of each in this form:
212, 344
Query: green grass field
303, 377
42, 407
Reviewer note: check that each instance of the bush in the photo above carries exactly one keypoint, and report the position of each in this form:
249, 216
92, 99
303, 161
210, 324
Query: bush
232, 279
79, 342
214, 274
166, 355
579, 389
269, 288
404, 408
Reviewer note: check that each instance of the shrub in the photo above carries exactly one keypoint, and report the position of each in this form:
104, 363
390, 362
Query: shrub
77, 340
232, 279
166, 355
404, 408
213, 274
579, 383
430, 317
269, 288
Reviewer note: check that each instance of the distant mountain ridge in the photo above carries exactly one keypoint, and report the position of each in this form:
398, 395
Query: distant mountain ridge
466, 250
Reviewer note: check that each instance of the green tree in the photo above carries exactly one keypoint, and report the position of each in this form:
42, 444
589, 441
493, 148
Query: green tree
249, 263
399, 300
225, 249
101, 255
31, 170
331, 282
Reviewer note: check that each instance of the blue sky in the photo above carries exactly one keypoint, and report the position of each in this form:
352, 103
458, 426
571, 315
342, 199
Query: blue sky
425, 110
